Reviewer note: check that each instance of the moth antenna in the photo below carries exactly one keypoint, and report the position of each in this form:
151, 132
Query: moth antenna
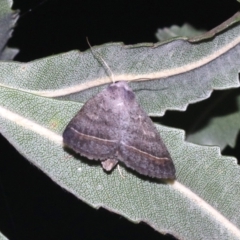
102, 61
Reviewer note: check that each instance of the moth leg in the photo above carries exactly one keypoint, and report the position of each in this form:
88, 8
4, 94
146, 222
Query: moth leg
109, 164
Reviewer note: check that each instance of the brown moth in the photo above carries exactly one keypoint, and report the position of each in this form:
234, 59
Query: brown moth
112, 127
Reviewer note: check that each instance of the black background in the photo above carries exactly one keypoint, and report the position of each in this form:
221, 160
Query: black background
31, 205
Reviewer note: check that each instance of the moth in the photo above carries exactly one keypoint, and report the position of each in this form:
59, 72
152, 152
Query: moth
113, 127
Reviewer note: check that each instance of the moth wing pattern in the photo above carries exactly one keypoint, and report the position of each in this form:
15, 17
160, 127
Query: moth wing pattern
142, 148
92, 133
112, 126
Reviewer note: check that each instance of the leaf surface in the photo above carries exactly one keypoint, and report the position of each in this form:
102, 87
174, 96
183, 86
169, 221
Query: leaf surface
173, 74
8, 19
205, 195
2, 237
174, 31
220, 130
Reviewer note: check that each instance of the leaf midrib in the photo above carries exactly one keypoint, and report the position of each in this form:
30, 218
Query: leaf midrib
186, 192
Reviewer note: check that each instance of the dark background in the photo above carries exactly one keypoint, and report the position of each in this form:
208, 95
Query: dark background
31, 205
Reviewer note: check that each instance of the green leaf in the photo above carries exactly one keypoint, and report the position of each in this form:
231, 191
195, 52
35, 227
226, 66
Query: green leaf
228, 23
177, 72
175, 31
221, 128
8, 19
2, 237
205, 195
203, 202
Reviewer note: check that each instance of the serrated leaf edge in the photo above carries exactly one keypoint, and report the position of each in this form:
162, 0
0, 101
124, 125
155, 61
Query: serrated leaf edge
186, 192
130, 77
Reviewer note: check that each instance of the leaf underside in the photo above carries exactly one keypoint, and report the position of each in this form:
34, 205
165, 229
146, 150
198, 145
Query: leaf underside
173, 74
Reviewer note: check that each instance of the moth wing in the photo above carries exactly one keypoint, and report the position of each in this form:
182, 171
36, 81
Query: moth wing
94, 131
142, 148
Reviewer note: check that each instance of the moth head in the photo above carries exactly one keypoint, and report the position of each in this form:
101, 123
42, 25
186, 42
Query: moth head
122, 91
